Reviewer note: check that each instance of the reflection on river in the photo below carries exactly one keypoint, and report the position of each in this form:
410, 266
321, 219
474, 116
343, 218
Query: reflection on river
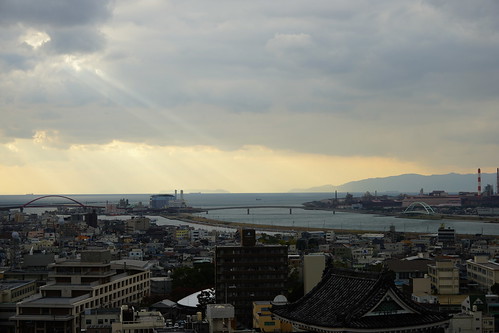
346, 221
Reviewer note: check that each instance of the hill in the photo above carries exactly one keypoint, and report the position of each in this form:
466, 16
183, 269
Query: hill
411, 183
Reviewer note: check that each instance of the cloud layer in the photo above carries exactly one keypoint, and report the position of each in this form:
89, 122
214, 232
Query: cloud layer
414, 83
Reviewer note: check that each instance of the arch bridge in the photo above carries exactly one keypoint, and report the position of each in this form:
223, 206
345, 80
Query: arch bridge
29, 203
419, 207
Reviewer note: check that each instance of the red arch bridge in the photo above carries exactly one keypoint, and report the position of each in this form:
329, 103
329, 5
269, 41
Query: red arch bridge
34, 203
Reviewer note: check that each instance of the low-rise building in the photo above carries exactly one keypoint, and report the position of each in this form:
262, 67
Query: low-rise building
220, 318
474, 316
483, 272
99, 319
12, 292
405, 270
263, 319
470, 323
137, 321
78, 285
138, 224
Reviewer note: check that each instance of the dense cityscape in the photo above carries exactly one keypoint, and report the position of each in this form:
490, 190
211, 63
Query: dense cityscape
336, 166
161, 267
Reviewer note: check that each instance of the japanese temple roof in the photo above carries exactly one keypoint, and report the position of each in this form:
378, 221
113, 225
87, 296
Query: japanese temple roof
358, 300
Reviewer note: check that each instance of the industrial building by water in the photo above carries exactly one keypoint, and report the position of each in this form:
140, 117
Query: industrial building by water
162, 201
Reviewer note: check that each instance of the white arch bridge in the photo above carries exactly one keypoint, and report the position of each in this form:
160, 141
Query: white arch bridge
419, 207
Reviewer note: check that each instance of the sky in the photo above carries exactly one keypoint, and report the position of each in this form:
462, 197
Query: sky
123, 96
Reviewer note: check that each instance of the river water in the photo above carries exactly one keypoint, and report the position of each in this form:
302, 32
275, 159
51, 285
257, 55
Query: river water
282, 216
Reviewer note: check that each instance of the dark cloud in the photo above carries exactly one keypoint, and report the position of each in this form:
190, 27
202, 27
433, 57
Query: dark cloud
54, 12
72, 26
479, 15
75, 39
10, 61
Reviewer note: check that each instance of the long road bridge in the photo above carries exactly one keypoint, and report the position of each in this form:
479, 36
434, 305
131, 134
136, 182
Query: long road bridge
253, 207
29, 204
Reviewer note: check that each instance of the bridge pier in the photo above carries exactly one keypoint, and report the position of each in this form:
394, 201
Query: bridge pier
290, 211
248, 211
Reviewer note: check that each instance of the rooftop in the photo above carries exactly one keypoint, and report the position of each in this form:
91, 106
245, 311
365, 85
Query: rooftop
357, 300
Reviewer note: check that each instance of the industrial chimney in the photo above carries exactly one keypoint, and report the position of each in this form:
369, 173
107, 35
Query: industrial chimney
479, 182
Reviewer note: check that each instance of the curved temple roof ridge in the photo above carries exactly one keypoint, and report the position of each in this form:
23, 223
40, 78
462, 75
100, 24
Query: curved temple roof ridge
349, 298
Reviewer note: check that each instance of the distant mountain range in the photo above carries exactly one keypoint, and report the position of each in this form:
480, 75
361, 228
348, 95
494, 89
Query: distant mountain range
412, 183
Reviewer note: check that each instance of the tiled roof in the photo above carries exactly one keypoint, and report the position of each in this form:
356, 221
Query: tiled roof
343, 298
398, 265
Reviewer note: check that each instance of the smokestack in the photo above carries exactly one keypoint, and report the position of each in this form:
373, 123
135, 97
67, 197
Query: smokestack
479, 182
497, 182
175, 194
181, 194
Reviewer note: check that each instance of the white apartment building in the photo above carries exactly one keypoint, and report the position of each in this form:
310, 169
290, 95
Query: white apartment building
483, 272
78, 285
313, 267
363, 255
470, 323
198, 234
444, 277
136, 254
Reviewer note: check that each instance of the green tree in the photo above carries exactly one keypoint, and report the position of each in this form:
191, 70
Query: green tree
197, 278
294, 286
206, 297
495, 288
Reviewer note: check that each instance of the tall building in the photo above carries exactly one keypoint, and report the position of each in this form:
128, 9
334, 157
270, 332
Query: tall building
313, 267
248, 273
444, 277
78, 285
446, 237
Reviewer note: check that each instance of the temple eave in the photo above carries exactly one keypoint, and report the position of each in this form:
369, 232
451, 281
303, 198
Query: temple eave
399, 329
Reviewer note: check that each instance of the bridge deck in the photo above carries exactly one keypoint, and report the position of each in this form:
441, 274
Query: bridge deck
249, 207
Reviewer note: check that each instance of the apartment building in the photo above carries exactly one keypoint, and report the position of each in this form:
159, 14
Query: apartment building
76, 285
248, 273
444, 277
12, 292
483, 272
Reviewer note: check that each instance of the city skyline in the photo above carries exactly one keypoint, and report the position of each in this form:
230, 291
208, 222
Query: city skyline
125, 97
